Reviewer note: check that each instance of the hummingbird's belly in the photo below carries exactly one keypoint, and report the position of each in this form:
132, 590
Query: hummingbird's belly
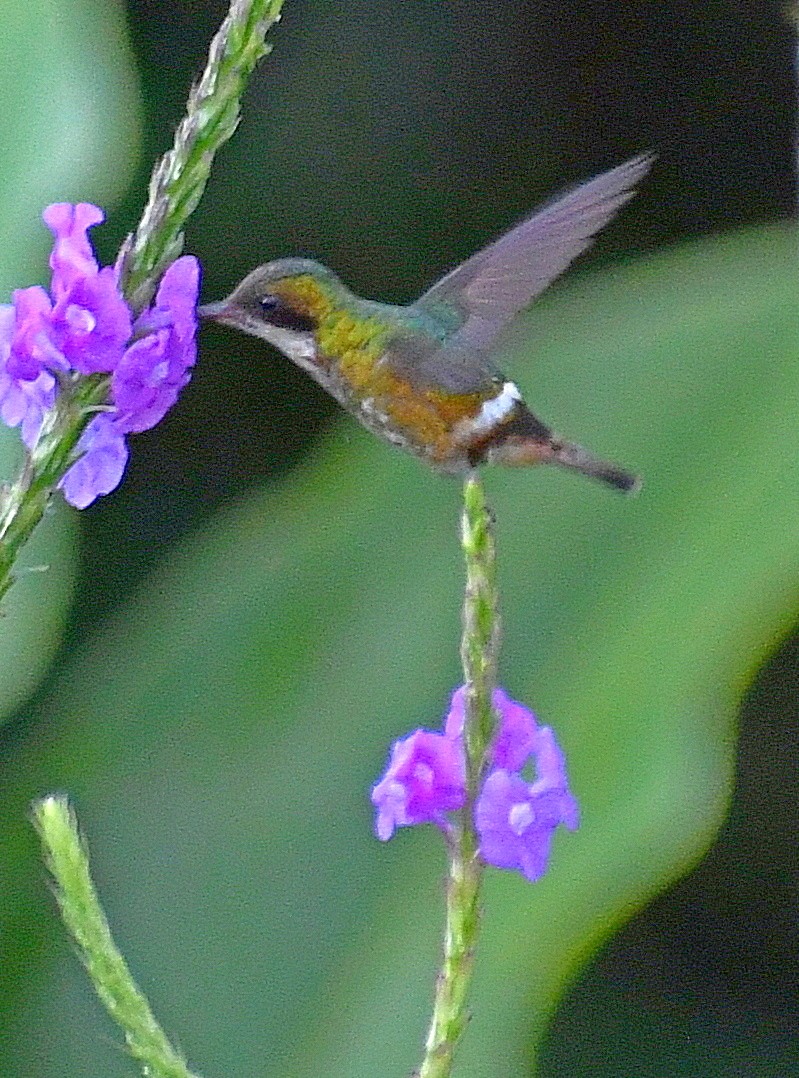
450, 431
423, 421
427, 427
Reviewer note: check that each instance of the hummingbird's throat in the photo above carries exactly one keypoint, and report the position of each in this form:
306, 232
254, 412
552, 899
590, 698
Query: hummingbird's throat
299, 347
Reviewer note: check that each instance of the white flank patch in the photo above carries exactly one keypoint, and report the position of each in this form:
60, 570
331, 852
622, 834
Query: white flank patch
497, 409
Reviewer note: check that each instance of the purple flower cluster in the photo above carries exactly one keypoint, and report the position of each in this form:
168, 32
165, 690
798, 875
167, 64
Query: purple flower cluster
515, 818
83, 326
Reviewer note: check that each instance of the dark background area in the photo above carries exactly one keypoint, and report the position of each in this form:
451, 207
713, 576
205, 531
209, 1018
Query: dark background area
417, 132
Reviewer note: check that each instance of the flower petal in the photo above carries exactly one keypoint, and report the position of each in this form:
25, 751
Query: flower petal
155, 368
425, 779
72, 257
517, 731
92, 323
101, 465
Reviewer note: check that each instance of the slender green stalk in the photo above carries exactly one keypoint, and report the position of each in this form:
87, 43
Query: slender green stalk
479, 650
24, 502
68, 861
176, 187
212, 116
481, 628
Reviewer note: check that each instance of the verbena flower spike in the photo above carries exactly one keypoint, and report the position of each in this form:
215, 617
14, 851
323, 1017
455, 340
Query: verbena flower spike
106, 350
83, 327
514, 816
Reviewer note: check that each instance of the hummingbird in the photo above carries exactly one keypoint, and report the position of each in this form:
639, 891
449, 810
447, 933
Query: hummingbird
422, 376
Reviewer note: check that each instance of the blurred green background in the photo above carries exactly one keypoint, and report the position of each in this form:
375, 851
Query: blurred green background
220, 653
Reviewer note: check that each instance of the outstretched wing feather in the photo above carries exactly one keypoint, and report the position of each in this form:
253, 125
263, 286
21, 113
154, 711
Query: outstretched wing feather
493, 285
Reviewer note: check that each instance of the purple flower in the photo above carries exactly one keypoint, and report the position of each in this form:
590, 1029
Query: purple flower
515, 819
91, 323
516, 735
85, 327
425, 778
516, 822
23, 402
72, 258
177, 297
151, 374
99, 468
145, 383
31, 347
84, 324
550, 768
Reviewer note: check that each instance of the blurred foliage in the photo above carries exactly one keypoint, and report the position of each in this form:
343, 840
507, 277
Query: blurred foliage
70, 120
219, 730
705, 981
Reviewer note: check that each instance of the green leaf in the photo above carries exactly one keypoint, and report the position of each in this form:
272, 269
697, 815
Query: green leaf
69, 132
220, 735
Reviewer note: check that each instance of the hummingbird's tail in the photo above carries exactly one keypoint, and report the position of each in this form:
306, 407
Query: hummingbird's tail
570, 455
524, 439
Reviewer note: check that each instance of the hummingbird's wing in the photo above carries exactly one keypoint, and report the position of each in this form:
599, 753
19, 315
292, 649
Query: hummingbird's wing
491, 287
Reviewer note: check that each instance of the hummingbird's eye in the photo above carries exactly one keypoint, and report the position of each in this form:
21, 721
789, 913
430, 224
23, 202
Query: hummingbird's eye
278, 312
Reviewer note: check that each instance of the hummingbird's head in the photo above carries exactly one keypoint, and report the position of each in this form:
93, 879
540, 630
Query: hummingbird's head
283, 302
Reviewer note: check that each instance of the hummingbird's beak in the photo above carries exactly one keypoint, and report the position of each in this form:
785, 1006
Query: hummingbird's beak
214, 311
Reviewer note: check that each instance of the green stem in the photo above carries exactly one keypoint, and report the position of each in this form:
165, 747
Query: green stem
481, 628
24, 502
212, 116
83, 915
479, 648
